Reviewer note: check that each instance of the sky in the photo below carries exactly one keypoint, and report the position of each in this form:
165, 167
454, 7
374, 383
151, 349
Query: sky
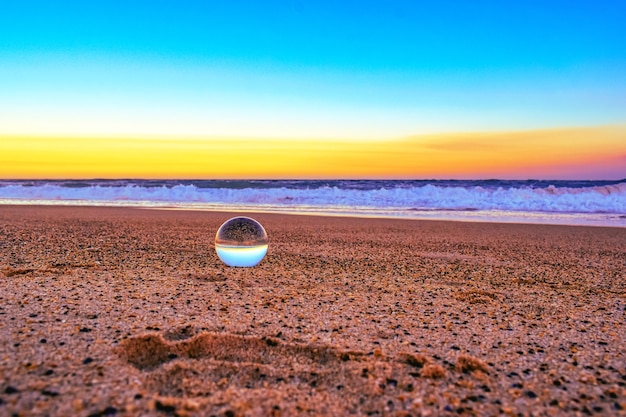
295, 89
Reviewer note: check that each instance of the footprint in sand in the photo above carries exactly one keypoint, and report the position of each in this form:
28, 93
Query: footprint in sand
181, 363
185, 363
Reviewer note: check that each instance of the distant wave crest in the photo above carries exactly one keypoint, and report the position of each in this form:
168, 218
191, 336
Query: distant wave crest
609, 198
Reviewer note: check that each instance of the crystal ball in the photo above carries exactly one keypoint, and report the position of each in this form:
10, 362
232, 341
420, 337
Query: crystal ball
241, 241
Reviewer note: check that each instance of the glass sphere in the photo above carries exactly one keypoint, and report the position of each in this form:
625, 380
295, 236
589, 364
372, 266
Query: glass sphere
241, 241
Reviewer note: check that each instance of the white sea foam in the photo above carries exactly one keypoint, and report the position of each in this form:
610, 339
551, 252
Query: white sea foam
551, 199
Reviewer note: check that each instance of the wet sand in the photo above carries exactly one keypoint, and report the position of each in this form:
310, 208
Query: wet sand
107, 311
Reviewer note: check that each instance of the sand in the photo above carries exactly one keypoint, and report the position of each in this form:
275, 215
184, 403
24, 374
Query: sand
109, 311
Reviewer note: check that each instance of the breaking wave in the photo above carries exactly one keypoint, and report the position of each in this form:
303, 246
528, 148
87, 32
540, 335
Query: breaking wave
518, 196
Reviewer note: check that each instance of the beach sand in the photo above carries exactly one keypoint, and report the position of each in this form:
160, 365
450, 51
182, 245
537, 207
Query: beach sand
110, 311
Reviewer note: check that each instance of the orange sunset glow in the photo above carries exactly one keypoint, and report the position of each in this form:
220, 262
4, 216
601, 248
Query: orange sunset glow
565, 153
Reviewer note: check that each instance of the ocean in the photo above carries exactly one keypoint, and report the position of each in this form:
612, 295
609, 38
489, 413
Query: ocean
600, 203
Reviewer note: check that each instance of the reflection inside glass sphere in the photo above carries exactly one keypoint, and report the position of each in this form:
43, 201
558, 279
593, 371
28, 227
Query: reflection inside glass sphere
241, 242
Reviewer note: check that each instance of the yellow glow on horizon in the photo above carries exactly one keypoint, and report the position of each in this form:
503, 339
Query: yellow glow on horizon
523, 154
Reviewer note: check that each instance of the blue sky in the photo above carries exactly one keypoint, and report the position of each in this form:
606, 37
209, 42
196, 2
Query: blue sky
309, 69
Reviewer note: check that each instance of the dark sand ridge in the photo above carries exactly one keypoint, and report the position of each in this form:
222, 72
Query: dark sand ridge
120, 311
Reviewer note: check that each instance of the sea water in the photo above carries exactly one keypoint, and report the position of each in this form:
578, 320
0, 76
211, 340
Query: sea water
600, 203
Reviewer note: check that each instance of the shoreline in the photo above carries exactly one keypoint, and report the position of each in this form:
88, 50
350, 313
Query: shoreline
470, 216
130, 312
